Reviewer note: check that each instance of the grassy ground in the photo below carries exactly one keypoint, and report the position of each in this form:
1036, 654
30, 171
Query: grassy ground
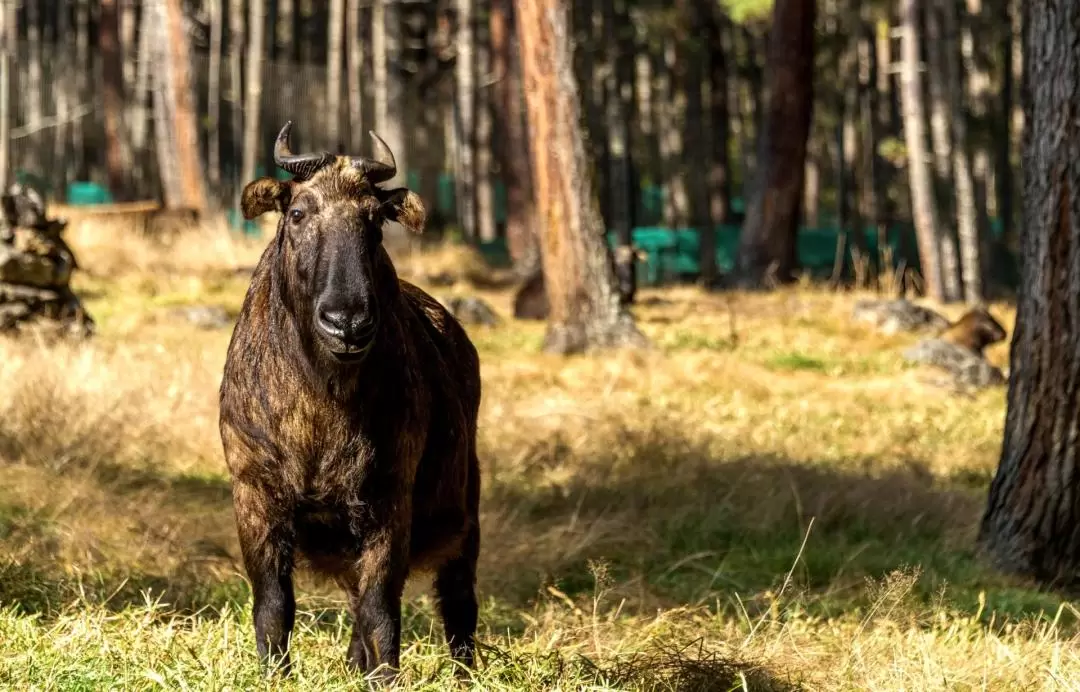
771, 499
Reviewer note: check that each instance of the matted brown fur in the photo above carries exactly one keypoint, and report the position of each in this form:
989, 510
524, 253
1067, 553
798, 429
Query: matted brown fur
975, 330
362, 472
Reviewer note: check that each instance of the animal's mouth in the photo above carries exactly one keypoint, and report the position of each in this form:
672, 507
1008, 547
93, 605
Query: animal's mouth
351, 350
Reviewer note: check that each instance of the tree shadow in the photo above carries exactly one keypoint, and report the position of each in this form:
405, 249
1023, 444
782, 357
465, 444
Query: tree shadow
671, 526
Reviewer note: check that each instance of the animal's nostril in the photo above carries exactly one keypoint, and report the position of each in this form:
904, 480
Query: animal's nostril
333, 321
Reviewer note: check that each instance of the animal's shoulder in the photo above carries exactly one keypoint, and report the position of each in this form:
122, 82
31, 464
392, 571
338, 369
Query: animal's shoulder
429, 309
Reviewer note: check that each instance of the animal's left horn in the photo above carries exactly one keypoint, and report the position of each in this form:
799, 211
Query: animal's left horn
300, 165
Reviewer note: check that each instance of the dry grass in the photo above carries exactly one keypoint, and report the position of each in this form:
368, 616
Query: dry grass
769, 499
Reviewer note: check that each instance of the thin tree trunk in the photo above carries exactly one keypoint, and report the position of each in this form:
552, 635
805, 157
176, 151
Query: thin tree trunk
213, 95
719, 185
513, 144
253, 97
116, 162
966, 222
618, 105
940, 119
483, 95
354, 54
390, 108
585, 308
1029, 526
768, 236
672, 88
8, 33
237, 39
811, 207
31, 92
83, 62
128, 42
922, 198
335, 31
464, 105
140, 111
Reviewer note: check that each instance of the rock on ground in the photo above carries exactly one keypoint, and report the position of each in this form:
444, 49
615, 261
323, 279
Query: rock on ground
966, 367
471, 310
893, 316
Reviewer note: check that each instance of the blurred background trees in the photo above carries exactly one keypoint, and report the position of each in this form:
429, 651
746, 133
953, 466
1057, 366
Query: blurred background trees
693, 115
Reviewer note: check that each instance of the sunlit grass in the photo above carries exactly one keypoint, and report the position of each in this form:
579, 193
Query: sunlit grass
771, 497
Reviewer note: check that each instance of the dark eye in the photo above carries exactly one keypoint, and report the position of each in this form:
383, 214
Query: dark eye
295, 215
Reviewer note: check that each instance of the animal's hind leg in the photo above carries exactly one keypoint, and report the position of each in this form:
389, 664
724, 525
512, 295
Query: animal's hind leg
455, 588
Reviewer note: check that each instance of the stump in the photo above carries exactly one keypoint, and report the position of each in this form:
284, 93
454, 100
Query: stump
35, 269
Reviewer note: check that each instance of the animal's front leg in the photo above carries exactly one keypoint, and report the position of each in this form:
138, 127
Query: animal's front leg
267, 547
376, 602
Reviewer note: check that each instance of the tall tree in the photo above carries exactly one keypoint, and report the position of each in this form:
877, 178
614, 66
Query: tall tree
253, 79
967, 225
922, 197
386, 75
618, 111
116, 160
465, 122
482, 102
213, 94
1029, 526
512, 142
585, 307
719, 179
335, 33
236, 60
174, 111
354, 56
8, 20
768, 236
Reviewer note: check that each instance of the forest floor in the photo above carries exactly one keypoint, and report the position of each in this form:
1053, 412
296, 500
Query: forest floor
770, 499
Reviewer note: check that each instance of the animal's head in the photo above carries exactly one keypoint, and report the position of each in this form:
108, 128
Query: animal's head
329, 239
986, 329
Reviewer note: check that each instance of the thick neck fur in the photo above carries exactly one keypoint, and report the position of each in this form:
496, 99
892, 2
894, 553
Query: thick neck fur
292, 332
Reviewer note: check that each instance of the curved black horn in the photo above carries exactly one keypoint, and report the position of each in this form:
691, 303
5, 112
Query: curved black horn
379, 169
300, 165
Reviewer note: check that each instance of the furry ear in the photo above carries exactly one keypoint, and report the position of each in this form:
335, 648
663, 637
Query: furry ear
263, 195
405, 207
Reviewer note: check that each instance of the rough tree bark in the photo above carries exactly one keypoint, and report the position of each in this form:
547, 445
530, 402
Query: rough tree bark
177, 136
334, 44
482, 103
213, 94
513, 144
922, 197
1029, 526
768, 236
967, 225
465, 124
253, 79
719, 180
585, 308
942, 149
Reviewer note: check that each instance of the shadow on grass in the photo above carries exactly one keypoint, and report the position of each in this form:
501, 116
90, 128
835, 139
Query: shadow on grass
671, 526
663, 525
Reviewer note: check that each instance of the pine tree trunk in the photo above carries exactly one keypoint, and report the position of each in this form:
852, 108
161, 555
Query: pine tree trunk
513, 144
966, 221
355, 56
128, 42
8, 33
83, 62
483, 95
464, 107
335, 32
253, 79
719, 185
673, 95
116, 163
237, 39
585, 308
940, 120
213, 95
1029, 527
1003, 162
174, 117
618, 104
922, 198
768, 236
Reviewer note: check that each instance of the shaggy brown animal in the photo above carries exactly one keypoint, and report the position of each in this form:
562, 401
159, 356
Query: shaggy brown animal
975, 330
349, 407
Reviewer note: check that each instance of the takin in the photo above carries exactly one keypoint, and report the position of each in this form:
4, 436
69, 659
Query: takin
349, 406
975, 330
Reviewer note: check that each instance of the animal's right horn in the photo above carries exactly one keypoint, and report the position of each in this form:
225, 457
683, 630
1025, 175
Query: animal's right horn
300, 165
379, 169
